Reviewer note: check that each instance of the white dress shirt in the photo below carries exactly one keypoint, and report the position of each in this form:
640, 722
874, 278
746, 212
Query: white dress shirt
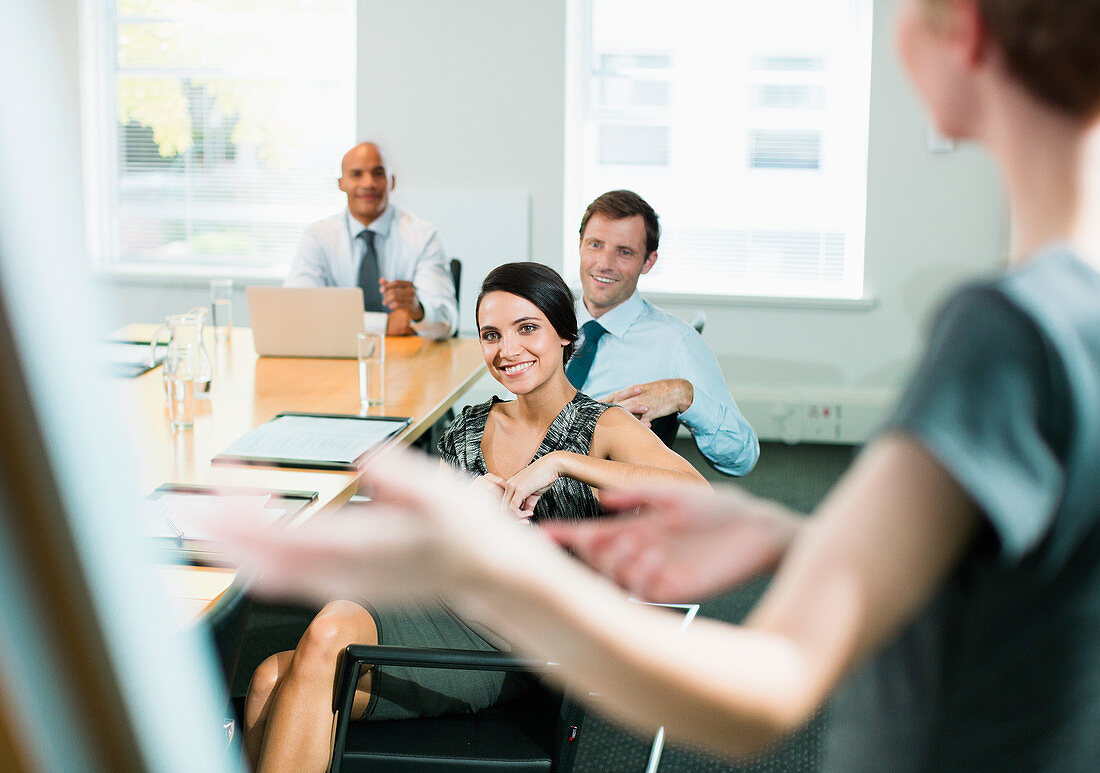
408, 249
644, 343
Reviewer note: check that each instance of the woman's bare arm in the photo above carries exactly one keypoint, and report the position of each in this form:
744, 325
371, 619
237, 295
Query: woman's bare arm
675, 544
879, 547
624, 455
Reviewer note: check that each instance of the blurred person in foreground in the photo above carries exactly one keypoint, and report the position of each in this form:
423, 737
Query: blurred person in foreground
396, 257
945, 596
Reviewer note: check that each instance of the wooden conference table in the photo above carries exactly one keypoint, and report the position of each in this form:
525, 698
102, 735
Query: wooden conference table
423, 379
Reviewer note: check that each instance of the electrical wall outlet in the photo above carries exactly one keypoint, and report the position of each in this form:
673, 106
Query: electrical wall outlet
821, 422
826, 415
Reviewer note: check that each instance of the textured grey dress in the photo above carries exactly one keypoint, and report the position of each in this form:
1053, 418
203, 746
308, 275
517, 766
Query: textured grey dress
401, 693
571, 431
1001, 669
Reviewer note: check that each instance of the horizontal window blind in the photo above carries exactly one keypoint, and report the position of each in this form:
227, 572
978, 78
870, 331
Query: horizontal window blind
743, 124
220, 126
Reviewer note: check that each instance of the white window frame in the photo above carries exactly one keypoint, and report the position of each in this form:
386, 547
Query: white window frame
578, 98
100, 151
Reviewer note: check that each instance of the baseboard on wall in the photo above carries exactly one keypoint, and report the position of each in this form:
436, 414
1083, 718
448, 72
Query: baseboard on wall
783, 414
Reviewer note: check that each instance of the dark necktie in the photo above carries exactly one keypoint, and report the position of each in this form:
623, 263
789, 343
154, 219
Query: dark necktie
577, 369
368, 273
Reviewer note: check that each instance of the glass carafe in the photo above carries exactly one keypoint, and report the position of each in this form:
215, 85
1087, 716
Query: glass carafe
186, 330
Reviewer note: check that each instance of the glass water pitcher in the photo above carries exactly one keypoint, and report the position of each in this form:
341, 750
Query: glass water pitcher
186, 330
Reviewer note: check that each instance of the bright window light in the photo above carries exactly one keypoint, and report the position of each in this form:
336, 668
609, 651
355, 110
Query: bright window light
214, 128
743, 124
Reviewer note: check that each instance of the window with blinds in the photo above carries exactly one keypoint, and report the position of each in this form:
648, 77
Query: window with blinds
214, 128
743, 124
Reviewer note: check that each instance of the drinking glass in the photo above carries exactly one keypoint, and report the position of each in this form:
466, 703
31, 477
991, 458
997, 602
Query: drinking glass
221, 308
179, 373
372, 369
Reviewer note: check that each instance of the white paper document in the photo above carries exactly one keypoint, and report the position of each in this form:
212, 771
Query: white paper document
126, 353
181, 516
314, 439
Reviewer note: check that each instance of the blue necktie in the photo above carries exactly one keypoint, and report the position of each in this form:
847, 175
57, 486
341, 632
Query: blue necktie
368, 274
577, 369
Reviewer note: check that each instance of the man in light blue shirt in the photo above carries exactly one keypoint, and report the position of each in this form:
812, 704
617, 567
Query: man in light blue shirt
395, 257
633, 353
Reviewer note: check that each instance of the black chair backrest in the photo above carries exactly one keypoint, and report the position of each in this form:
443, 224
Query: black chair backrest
536, 731
227, 622
456, 277
665, 428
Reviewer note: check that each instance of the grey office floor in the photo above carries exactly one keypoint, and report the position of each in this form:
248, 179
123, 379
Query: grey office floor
798, 476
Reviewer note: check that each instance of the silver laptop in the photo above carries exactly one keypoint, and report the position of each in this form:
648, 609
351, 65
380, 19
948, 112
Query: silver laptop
305, 321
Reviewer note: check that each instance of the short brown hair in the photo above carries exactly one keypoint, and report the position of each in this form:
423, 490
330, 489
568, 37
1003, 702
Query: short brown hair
618, 205
1052, 47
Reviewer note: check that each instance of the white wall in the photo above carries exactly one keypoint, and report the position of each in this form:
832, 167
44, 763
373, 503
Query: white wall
478, 88
479, 85
471, 95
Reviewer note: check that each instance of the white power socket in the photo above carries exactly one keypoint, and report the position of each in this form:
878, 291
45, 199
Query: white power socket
830, 415
821, 422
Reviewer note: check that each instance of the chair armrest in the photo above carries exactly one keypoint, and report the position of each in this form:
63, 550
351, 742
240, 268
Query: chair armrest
355, 656
426, 657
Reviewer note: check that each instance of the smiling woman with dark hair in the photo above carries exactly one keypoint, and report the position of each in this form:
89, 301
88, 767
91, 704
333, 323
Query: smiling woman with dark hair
542, 286
550, 448
544, 454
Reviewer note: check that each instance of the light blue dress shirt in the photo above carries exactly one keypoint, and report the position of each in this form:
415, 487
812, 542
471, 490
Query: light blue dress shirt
408, 249
643, 344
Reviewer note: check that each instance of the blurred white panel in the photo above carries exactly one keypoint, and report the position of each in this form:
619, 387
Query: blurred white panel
171, 700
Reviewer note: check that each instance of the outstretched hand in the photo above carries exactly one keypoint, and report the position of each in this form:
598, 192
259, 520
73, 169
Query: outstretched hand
426, 533
680, 545
497, 487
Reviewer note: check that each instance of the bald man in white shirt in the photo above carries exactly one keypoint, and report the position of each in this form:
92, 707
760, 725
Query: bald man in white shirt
394, 256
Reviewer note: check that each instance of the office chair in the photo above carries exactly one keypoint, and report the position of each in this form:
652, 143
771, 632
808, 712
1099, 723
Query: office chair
537, 731
456, 277
665, 428
226, 623
698, 321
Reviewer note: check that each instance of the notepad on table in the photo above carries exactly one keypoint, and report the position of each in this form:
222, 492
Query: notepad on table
313, 441
175, 514
128, 359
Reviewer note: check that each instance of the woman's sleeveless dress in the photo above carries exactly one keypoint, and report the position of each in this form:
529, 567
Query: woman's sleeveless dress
572, 430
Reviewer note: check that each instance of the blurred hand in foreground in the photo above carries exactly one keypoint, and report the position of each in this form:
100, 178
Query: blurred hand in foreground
426, 533
491, 484
497, 487
677, 545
